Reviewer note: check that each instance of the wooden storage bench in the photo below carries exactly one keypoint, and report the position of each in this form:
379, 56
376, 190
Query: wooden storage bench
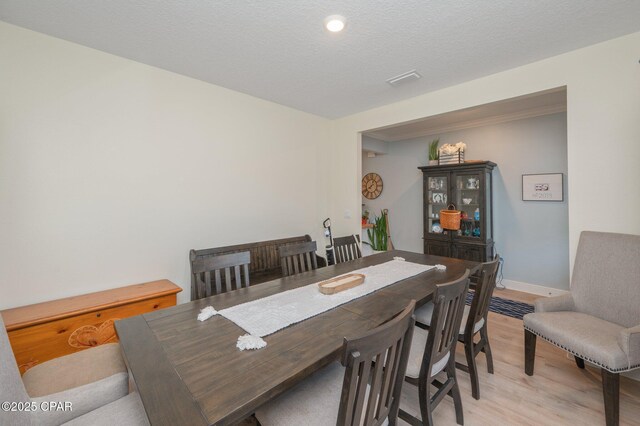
52, 329
265, 261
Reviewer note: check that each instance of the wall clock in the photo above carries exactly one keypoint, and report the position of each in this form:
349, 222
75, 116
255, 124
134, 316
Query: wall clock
371, 185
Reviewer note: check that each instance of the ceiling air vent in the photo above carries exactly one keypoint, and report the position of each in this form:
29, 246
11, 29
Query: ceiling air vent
404, 78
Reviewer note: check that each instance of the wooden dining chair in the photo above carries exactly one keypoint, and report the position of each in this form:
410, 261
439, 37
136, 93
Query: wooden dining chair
219, 274
369, 382
474, 322
433, 352
297, 258
347, 248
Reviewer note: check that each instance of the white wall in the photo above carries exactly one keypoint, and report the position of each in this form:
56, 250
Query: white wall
603, 106
532, 237
110, 170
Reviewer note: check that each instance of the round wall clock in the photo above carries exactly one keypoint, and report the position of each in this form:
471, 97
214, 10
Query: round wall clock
371, 185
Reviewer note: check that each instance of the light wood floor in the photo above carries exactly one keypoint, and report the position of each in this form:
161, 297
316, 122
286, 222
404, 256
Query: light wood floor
559, 393
515, 295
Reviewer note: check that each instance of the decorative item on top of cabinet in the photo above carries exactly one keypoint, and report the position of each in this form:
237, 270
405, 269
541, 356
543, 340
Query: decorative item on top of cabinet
451, 154
469, 187
433, 152
371, 186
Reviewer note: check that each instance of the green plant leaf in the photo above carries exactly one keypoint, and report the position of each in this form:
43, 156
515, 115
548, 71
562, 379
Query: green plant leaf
434, 154
378, 234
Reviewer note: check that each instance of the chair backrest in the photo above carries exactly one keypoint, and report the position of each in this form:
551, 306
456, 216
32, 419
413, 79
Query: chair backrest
347, 248
219, 274
297, 258
606, 277
11, 385
479, 308
264, 254
375, 366
265, 261
449, 301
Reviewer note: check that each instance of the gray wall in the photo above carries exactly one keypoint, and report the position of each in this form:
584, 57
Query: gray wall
374, 145
532, 237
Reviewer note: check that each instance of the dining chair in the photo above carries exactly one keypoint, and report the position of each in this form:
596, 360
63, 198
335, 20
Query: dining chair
88, 380
220, 274
474, 322
265, 261
433, 352
599, 319
369, 382
297, 258
347, 248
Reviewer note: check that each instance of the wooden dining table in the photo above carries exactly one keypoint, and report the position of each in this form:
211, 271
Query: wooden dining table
190, 372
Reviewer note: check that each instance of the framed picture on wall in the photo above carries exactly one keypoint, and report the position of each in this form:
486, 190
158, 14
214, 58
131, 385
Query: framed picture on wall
543, 187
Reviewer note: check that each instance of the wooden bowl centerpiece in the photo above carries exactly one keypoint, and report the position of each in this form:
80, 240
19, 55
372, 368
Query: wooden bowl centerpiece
338, 284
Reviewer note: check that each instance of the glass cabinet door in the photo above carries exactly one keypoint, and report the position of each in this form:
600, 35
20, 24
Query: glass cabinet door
437, 199
468, 194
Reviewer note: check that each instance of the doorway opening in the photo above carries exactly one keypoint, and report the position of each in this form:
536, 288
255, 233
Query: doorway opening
522, 136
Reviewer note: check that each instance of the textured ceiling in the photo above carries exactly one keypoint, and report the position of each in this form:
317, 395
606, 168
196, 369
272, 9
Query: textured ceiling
278, 49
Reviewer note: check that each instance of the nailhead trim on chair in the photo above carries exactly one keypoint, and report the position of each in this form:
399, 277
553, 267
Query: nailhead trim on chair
619, 370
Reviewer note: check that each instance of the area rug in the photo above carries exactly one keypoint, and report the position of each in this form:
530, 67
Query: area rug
507, 307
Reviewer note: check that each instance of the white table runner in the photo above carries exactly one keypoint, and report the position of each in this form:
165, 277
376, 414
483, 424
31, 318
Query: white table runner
267, 315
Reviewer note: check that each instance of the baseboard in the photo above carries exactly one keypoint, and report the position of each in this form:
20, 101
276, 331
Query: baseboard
533, 288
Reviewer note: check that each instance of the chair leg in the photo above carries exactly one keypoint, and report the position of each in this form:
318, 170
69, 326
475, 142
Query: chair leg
487, 348
529, 352
455, 393
425, 404
611, 391
579, 362
473, 368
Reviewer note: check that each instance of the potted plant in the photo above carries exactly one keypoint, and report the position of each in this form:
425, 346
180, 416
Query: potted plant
433, 152
365, 217
378, 234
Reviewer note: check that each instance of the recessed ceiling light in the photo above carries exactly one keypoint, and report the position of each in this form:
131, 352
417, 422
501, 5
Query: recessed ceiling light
334, 23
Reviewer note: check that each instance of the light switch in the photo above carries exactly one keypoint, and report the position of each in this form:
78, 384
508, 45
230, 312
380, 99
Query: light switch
347, 214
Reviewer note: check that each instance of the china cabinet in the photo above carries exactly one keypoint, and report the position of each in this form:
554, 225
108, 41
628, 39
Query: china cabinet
468, 187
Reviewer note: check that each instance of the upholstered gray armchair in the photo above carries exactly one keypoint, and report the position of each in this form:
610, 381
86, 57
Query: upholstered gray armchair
599, 320
89, 380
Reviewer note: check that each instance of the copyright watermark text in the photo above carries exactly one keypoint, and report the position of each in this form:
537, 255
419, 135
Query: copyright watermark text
20, 406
